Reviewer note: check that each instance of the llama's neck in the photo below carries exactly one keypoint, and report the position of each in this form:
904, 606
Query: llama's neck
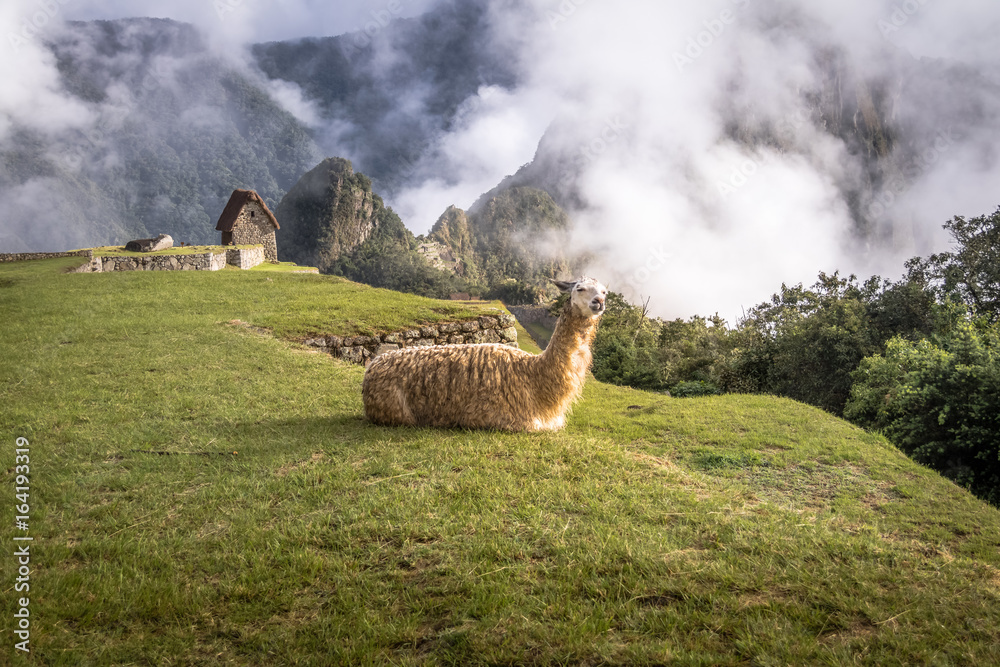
567, 356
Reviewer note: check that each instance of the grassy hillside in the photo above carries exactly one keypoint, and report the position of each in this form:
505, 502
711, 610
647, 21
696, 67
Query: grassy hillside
204, 494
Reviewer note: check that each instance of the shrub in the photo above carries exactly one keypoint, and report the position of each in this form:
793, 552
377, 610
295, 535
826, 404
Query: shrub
972, 271
939, 402
625, 351
514, 293
691, 350
805, 343
617, 360
693, 388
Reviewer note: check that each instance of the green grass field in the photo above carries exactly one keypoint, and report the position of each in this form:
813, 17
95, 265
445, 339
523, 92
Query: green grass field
281, 267
205, 494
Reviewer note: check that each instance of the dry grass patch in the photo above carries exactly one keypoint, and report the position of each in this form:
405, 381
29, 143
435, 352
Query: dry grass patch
816, 487
291, 467
859, 631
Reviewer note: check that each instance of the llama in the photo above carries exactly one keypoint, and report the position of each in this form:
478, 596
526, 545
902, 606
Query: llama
489, 386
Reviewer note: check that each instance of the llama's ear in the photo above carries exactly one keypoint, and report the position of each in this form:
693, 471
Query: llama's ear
564, 286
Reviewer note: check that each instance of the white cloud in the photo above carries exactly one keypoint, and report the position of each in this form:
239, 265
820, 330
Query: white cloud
645, 95
30, 92
496, 132
679, 75
294, 101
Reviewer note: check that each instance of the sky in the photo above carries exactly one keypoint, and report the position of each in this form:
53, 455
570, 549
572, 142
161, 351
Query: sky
642, 92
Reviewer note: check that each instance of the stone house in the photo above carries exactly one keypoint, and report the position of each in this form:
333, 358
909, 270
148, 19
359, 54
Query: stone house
247, 220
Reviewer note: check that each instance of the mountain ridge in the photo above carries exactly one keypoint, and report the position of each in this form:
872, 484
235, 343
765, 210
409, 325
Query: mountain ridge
177, 129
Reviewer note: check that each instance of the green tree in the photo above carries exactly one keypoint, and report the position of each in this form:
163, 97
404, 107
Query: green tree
938, 401
690, 351
972, 272
805, 343
625, 349
514, 292
388, 258
811, 340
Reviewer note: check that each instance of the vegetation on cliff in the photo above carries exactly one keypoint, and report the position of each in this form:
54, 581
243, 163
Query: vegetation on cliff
331, 219
509, 243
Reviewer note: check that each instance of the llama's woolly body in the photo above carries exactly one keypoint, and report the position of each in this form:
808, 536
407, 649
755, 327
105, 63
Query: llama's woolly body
483, 386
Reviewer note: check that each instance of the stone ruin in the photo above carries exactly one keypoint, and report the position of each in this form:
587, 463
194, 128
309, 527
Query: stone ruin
161, 242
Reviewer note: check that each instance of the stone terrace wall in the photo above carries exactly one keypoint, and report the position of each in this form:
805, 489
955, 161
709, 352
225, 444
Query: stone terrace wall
360, 349
22, 256
207, 261
245, 258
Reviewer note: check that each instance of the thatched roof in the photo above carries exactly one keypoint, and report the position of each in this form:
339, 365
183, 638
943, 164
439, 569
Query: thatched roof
236, 203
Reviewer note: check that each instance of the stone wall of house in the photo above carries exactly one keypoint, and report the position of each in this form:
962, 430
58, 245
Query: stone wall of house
206, 261
245, 258
361, 349
22, 256
253, 227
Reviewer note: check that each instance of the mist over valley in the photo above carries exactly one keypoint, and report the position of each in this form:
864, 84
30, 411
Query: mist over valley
703, 156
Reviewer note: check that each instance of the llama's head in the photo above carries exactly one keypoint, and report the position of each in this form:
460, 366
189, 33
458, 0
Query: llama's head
586, 296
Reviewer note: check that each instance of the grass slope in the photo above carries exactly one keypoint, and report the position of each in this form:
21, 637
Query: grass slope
284, 529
